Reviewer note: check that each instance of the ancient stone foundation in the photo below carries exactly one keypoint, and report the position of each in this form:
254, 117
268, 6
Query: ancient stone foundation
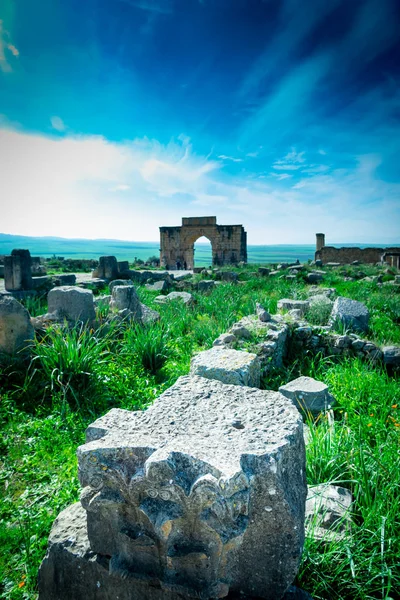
200, 496
228, 242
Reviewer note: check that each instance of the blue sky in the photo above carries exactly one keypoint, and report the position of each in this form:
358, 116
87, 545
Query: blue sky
118, 116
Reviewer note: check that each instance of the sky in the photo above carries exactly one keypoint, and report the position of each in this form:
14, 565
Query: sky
120, 116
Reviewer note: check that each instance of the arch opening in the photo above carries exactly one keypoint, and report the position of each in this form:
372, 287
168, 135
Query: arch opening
203, 254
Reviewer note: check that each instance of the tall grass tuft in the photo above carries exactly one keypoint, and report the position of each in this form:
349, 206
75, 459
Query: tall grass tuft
67, 361
148, 345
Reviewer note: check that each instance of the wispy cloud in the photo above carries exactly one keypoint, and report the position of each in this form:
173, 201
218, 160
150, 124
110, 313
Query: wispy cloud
57, 123
231, 158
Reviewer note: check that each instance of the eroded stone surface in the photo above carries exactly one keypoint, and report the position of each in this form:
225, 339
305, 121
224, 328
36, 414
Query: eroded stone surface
351, 313
125, 298
72, 571
308, 394
16, 330
71, 303
228, 366
201, 494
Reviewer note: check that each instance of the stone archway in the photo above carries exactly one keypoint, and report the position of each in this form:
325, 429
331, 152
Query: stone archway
228, 242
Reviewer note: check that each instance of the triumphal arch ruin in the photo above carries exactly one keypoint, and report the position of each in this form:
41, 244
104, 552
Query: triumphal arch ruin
228, 242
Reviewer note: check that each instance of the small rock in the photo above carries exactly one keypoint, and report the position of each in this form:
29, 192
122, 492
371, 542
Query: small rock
263, 271
240, 332
184, 297
225, 339
157, 286
308, 394
205, 285
391, 356
314, 277
262, 314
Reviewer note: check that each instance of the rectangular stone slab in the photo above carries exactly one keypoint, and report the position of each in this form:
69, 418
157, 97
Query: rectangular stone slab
202, 494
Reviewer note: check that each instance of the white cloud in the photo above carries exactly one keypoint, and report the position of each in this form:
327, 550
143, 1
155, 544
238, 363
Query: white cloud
67, 187
57, 123
121, 187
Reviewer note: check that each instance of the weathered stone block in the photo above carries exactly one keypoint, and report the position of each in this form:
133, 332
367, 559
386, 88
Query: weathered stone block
289, 304
202, 494
264, 271
124, 297
351, 313
17, 271
308, 394
227, 366
108, 268
71, 303
16, 331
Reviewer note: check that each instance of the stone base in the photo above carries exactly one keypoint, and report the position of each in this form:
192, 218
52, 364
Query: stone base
71, 571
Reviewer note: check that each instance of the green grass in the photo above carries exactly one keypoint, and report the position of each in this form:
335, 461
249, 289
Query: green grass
77, 375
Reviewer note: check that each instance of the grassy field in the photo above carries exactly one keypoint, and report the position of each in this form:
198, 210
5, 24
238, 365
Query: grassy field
74, 377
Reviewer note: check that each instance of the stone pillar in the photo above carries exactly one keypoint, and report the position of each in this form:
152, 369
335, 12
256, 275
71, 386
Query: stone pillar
17, 271
320, 241
108, 267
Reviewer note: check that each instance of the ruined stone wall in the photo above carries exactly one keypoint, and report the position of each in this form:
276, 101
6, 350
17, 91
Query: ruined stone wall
347, 255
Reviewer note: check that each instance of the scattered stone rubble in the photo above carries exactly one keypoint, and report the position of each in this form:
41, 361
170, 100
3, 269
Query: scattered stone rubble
178, 500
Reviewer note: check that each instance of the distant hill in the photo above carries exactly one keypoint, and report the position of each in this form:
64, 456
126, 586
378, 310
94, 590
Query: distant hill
128, 250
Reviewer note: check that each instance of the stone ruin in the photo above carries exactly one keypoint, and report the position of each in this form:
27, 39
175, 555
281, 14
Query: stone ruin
23, 273
200, 496
348, 255
228, 242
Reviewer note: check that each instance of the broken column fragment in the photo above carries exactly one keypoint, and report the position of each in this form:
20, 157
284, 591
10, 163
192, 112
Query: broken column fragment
200, 496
